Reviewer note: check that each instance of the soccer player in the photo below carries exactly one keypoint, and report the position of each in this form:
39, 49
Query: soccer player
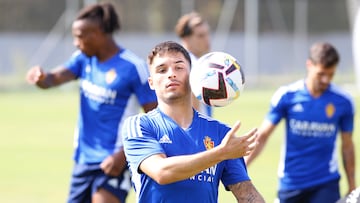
176, 154
315, 110
194, 33
113, 85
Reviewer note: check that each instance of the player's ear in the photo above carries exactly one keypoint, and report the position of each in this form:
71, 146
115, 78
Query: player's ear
150, 81
309, 64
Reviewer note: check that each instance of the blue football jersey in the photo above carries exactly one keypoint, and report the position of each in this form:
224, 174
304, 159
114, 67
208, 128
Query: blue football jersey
110, 91
153, 133
309, 155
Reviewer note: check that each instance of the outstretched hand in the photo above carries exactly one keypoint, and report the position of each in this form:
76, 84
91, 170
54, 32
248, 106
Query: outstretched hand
34, 75
238, 146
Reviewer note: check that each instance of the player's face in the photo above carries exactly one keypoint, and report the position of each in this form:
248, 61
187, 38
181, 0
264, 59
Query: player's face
199, 42
86, 36
319, 76
169, 76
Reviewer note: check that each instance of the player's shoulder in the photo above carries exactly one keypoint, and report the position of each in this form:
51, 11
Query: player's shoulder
204, 118
151, 117
134, 62
291, 87
341, 96
143, 116
79, 56
153, 114
298, 85
130, 56
133, 123
340, 92
288, 89
209, 121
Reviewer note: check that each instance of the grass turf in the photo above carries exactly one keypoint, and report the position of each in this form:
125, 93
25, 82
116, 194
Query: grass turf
36, 132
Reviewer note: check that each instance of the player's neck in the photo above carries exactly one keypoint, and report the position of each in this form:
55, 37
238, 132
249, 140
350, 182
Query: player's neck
314, 92
108, 51
181, 113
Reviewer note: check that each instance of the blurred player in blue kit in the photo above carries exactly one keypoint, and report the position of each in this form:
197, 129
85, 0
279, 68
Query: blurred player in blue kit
176, 154
113, 86
315, 110
194, 32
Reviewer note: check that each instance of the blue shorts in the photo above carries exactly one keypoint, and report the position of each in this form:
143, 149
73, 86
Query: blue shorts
326, 192
87, 179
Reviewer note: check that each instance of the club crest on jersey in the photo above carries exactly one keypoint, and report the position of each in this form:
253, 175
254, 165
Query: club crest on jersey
330, 110
110, 76
209, 144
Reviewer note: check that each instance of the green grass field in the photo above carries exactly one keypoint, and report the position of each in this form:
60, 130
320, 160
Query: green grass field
36, 132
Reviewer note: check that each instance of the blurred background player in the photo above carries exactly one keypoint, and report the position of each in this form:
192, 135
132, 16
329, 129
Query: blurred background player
194, 33
178, 155
113, 86
315, 110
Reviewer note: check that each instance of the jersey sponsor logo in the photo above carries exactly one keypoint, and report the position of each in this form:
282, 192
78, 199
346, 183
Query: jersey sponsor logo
165, 139
297, 108
110, 76
98, 93
330, 110
209, 144
312, 128
206, 175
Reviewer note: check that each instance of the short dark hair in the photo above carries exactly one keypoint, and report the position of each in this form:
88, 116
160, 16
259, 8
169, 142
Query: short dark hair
104, 14
324, 54
167, 46
186, 24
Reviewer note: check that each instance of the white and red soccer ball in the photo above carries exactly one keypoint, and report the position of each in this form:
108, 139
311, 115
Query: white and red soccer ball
217, 79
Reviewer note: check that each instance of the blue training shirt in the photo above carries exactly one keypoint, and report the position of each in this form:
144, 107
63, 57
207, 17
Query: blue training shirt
153, 133
110, 91
309, 155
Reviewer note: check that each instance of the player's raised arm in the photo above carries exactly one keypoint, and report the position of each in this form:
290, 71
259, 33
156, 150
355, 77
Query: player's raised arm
264, 133
165, 170
37, 76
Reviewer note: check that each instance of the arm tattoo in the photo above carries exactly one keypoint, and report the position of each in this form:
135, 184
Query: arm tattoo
246, 192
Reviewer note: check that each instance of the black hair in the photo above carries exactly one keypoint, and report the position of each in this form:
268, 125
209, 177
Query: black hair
104, 14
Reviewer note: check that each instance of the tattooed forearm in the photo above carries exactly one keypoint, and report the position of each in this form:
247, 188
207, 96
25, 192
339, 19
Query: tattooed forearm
246, 192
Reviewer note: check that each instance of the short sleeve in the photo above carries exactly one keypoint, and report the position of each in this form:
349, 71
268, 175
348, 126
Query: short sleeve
347, 120
75, 63
139, 141
234, 172
277, 106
